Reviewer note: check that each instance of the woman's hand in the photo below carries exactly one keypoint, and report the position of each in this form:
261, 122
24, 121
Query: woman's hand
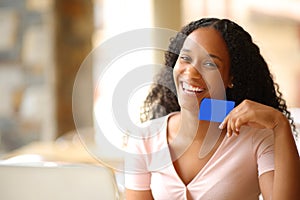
284, 181
252, 114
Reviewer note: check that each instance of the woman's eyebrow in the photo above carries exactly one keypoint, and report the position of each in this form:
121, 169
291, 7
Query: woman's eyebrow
215, 56
210, 55
185, 50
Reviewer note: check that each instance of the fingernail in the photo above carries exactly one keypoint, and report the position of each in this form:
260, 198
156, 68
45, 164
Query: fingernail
228, 134
221, 126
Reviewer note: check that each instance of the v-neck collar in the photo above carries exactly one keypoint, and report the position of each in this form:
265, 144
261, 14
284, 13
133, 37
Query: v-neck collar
170, 157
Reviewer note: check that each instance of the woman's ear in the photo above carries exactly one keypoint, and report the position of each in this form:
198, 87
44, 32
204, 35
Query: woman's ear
230, 84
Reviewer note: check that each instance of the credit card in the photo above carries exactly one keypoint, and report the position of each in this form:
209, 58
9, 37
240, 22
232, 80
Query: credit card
215, 110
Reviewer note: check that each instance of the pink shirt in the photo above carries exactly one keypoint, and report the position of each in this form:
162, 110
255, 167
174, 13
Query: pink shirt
230, 174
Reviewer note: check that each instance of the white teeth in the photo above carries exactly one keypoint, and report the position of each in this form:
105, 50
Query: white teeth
191, 88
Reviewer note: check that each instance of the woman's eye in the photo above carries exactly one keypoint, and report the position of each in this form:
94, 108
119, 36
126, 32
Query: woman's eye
185, 58
209, 64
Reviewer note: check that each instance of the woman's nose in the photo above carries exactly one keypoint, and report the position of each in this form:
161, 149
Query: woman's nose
192, 71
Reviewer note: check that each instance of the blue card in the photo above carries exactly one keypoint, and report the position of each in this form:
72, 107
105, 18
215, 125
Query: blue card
215, 110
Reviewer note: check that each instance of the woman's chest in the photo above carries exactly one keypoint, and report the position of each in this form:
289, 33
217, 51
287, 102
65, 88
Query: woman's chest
222, 175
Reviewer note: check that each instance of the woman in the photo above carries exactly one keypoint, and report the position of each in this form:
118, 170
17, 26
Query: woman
255, 152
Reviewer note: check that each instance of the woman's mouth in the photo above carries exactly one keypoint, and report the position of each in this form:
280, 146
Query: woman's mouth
191, 89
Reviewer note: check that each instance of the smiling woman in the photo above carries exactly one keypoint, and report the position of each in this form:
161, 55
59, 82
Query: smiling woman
203, 65
214, 58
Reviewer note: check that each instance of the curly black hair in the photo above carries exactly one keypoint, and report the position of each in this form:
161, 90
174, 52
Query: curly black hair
250, 74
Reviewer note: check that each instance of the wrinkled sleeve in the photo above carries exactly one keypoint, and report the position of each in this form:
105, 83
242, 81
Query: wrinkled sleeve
137, 176
263, 142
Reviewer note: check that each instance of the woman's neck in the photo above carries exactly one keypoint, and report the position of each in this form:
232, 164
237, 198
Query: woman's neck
191, 126
185, 128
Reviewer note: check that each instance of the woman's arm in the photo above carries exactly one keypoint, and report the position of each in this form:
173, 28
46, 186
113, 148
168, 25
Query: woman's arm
284, 182
138, 195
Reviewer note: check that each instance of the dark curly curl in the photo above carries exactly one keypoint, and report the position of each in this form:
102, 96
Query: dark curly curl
251, 76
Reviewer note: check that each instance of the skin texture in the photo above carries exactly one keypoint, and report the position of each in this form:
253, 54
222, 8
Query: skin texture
284, 182
203, 70
245, 63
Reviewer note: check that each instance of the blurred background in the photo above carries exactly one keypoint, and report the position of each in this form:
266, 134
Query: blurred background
44, 42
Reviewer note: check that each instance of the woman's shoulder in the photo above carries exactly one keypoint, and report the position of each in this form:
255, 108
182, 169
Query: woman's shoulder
256, 134
153, 127
151, 131
258, 138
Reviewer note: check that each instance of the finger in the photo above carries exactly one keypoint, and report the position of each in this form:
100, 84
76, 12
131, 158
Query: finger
236, 120
242, 120
223, 123
229, 129
232, 127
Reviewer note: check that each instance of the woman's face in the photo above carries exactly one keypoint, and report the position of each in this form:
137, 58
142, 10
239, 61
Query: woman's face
202, 68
